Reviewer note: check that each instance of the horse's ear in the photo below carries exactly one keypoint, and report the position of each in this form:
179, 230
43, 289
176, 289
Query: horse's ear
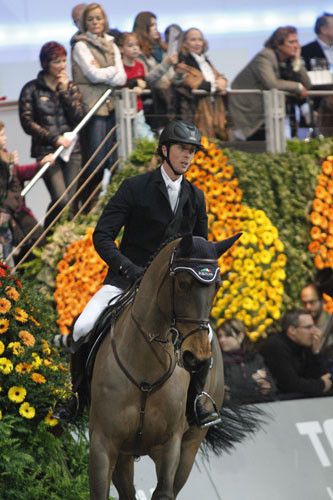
185, 245
222, 246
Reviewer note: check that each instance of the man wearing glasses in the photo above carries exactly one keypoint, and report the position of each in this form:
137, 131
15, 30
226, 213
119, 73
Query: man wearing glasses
294, 360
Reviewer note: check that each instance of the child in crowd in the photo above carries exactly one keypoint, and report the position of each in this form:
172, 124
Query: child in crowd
16, 220
129, 48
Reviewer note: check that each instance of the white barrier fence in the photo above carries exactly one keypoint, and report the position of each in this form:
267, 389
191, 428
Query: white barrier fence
291, 458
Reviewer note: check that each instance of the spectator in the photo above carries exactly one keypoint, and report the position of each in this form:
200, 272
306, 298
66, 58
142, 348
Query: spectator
247, 380
176, 29
50, 106
313, 302
322, 48
77, 12
319, 55
277, 66
16, 220
208, 112
96, 66
293, 357
135, 71
158, 68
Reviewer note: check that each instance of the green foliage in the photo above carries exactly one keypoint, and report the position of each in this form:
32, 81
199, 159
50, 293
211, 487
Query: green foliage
40, 465
283, 186
143, 152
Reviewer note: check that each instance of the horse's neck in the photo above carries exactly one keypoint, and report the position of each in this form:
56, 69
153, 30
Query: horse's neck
152, 305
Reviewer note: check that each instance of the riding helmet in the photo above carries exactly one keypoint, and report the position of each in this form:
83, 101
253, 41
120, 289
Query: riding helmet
179, 132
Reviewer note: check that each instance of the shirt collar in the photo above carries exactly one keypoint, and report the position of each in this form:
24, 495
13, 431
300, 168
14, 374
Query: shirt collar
169, 181
324, 45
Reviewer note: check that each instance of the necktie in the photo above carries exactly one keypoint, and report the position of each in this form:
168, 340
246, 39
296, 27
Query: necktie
173, 195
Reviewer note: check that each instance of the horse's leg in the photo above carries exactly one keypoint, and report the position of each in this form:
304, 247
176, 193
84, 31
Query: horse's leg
102, 459
123, 477
166, 466
188, 453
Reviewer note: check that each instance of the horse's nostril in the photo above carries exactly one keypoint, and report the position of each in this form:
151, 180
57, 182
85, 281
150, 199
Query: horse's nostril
189, 359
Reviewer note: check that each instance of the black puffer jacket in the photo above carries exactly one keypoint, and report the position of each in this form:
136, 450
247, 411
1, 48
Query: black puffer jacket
46, 114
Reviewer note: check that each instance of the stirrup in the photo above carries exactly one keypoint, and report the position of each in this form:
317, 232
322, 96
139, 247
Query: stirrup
63, 412
216, 421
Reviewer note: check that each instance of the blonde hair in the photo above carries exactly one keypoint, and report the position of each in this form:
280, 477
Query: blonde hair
184, 50
86, 12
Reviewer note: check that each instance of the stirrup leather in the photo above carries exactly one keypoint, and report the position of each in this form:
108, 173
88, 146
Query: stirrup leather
213, 422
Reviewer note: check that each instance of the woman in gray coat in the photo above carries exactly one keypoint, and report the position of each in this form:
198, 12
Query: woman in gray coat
277, 66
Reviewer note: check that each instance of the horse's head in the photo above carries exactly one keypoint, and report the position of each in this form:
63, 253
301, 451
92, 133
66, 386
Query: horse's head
195, 280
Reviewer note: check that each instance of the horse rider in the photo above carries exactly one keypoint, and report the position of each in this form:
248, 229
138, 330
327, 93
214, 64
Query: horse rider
151, 208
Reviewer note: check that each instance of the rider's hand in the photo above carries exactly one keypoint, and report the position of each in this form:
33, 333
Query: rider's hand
132, 272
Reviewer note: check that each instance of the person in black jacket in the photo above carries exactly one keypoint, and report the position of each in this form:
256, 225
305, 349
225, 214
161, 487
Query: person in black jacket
322, 47
293, 357
247, 379
151, 208
50, 106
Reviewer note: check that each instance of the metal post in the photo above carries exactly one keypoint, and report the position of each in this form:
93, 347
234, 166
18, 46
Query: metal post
275, 121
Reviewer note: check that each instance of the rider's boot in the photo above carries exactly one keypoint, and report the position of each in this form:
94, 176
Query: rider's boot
195, 411
74, 406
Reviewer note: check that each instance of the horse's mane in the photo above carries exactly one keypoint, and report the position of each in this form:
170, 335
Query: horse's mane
160, 248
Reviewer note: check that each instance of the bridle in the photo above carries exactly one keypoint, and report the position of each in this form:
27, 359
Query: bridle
178, 337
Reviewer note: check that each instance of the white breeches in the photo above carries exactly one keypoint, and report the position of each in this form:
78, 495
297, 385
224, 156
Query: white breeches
93, 309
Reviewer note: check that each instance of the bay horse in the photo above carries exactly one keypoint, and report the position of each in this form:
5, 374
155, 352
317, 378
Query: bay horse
142, 371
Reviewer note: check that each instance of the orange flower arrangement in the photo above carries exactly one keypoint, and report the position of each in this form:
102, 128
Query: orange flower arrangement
81, 274
211, 173
321, 219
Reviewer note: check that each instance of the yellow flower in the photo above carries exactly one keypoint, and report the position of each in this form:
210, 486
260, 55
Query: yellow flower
247, 304
244, 239
0, 415
279, 245
252, 226
23, 368
20, 315
27, 338
37, 360
259, 217
12, 293
249, 265
4, 324
2, 347
27, 411
5, 305
237, 265
6, 366
265, 256
267, 238
38, 378
49, 420
17, 394
17, 348
253, 239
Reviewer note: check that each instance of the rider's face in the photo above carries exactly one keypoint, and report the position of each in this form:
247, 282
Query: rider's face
181, 156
